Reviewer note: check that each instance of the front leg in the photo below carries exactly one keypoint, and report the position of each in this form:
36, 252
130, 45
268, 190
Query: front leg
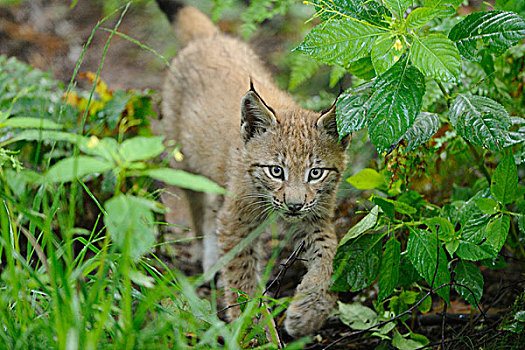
313, 301
243, 271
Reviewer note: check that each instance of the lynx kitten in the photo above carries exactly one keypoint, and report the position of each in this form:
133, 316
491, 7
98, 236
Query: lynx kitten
271, 155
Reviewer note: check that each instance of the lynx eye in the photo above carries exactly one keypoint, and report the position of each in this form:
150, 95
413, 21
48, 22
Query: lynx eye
316, 174
276, 172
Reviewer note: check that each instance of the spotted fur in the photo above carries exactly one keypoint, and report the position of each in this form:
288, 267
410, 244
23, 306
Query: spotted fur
238, 129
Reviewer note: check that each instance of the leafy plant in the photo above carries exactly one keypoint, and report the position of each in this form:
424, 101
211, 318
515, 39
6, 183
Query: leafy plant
413, 54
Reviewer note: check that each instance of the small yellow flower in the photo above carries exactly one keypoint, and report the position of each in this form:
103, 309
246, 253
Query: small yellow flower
398, 45
93, 142
179, 157
305, 2
396, 58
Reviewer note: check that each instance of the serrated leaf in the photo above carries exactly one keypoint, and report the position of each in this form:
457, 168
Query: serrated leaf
497, 232
424, 127
504, 181
389, 272
422, 15
366, 223
399, 6
480, 120
140, 148
351, 109
366, 179
362, 68
130, 224
422, 248
339, 41
357, 316
469, 275
302, 68
494, 31
436, 56
487, 205
395, 104
356, 263
69, 169
184, 179
385, 53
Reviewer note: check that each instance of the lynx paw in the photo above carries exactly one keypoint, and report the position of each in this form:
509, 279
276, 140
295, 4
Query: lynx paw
307, 314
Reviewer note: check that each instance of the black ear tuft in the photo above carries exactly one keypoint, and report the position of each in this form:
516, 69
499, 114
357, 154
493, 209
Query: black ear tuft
256, 116
328, 122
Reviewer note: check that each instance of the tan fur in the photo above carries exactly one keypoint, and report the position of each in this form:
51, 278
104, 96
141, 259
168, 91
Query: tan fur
202, 111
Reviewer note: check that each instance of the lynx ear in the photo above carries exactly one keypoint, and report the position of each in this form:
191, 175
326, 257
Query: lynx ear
327, 122
256, 116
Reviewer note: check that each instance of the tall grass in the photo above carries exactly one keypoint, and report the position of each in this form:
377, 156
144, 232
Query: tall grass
67, 287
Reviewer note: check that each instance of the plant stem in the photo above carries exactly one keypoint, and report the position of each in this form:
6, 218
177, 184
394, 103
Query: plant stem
442, 88
479, 161
516, 238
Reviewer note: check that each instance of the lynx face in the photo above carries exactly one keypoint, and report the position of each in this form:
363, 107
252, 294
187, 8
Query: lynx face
295, 159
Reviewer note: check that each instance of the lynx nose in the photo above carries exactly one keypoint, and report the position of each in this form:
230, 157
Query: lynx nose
294, 207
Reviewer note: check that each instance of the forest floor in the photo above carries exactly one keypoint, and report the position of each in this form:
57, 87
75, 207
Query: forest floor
50, 35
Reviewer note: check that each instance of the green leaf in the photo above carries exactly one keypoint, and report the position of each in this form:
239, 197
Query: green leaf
389, 272
452, 246
29, 122
487, 205
362, 68
384, 53
45, 135
422, 248
469, 250
140, 148
504, 181
426, 305
106, 148
340, 41
395, 104
421, 15
424, 127
497, 232
407, 272
436, 3
356, 263
480, 120
401, 343
436, 56
69, 169
351, 109
494, 31
445, 229
130, 224
184, 179
357, 316
366, 179
336, 74
469, 275
388, 204
399, 6
365, 224
302, 68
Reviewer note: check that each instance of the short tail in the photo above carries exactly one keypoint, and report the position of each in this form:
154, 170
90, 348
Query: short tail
188, 22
